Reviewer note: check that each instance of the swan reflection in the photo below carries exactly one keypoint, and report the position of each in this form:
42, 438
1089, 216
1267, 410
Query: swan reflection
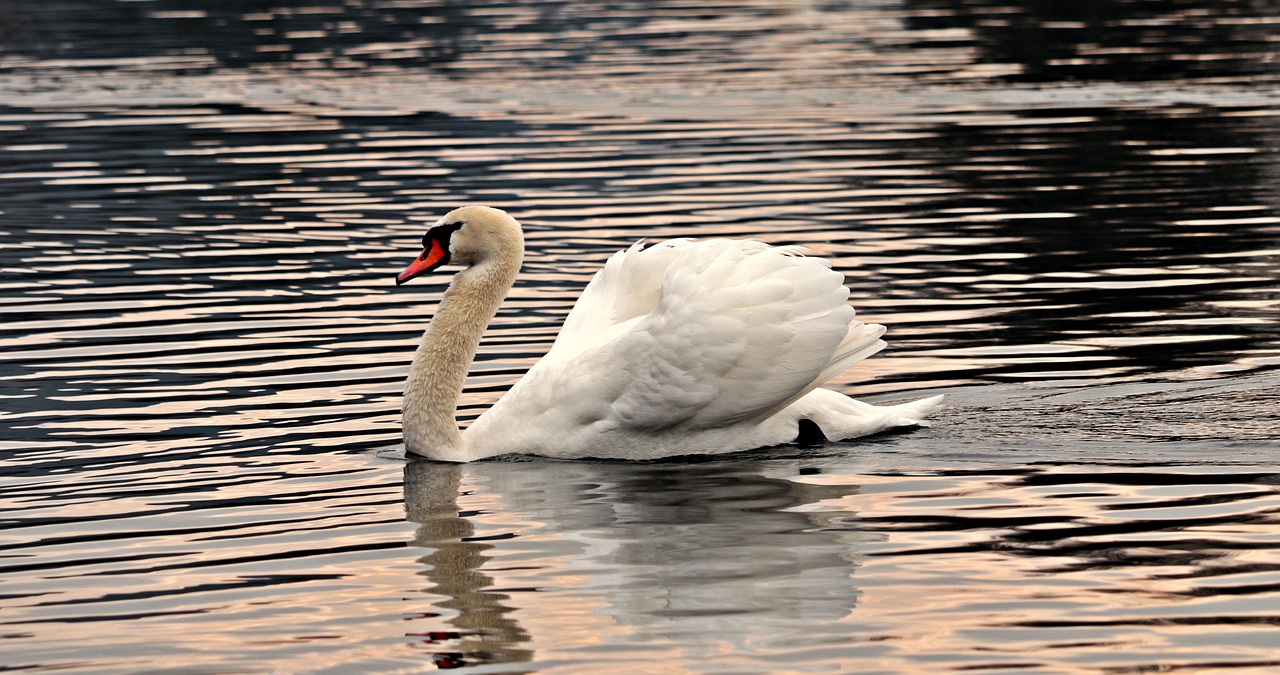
682, 554
483, 631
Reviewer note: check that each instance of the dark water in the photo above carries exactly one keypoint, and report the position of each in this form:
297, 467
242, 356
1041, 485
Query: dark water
1067, 213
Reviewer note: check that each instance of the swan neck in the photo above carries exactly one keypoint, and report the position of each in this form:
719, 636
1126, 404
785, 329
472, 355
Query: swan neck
444, 356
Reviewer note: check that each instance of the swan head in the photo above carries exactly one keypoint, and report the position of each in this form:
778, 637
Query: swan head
470, 235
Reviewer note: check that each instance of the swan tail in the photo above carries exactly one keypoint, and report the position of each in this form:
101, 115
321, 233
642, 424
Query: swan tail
914, 413
840, 417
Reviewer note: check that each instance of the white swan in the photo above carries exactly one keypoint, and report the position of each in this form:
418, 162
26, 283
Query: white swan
686, 347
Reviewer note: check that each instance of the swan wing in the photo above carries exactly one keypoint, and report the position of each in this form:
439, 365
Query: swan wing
626, 289
703, 334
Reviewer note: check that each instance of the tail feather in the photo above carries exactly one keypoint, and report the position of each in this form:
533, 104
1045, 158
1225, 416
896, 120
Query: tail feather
915, 411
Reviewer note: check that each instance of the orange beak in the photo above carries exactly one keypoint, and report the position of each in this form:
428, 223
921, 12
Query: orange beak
433, 256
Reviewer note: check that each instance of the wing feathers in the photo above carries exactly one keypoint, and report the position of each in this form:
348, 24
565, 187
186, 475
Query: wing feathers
710, 333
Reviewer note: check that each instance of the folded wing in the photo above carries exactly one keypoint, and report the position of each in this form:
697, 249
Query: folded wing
703, 334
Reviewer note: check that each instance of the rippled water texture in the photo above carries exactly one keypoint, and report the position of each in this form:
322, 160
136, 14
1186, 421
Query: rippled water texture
1066, 212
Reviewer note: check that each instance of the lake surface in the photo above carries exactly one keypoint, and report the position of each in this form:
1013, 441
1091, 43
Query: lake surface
1068, 214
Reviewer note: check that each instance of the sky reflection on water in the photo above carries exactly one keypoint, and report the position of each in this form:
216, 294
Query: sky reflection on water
1066, 213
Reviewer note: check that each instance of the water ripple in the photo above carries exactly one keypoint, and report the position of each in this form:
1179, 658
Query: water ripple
1067, 218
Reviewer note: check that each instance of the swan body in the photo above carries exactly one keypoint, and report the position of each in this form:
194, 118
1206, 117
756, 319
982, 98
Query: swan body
685, 347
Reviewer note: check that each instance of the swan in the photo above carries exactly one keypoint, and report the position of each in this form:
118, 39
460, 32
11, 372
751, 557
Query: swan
681, 348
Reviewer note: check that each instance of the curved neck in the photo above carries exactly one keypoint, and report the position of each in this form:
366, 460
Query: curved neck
440, 365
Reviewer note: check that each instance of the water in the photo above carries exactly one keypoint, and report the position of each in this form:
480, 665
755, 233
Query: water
1066, 213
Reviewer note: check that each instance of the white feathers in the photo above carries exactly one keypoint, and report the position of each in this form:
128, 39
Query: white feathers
691, 347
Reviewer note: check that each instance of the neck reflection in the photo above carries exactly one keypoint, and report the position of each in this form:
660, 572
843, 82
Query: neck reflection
484, 633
